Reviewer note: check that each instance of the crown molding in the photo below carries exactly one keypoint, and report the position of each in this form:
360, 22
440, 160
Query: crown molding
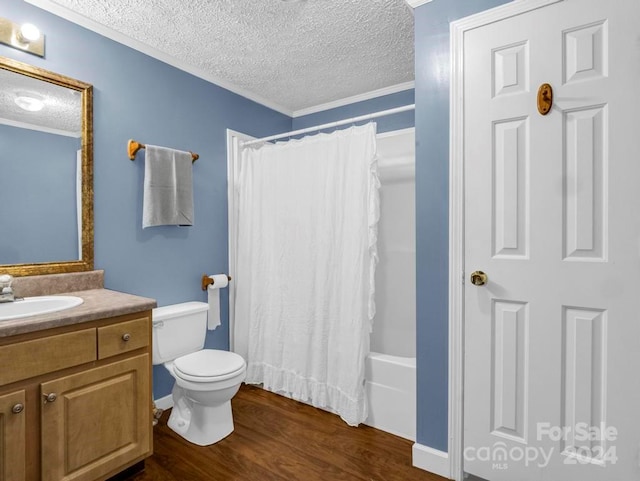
52, 7
354, 99
411, 3
39, 128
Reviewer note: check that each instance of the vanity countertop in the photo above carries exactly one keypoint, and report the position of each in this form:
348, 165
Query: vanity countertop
98, 304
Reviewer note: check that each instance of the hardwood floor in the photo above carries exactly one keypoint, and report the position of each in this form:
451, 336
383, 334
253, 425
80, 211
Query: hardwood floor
278, 439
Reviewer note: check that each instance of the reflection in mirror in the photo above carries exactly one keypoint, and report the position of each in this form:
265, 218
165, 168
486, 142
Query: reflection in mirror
46, 175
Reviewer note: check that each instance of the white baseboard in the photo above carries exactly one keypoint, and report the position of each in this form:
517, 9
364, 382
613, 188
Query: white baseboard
417, 3
431, 460
164, 402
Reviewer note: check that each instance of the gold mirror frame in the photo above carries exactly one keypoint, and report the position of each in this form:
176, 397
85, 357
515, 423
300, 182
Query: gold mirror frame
86, 259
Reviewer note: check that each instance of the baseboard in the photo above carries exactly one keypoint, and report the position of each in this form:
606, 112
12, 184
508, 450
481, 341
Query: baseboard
431, 460
165, 402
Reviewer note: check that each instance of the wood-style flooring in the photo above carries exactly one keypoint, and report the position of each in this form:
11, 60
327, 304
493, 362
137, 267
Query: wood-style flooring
278, 439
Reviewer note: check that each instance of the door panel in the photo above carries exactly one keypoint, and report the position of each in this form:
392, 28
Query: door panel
511, 196
583, 382
552, 342
509, 368
13, 446
76, 443
585, 172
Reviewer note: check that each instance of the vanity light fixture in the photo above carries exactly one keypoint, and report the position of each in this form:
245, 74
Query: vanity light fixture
28, 33
26, 37
29, 102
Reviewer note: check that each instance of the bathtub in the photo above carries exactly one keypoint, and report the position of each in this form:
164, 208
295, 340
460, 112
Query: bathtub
391, 390
390, 369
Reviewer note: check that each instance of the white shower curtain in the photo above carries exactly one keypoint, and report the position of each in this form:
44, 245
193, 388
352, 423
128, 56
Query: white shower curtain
306, 256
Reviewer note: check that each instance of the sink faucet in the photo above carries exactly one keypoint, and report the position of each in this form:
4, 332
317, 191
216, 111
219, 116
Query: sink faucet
6, 291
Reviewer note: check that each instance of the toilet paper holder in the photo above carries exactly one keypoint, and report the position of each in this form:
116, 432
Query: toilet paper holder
206, 281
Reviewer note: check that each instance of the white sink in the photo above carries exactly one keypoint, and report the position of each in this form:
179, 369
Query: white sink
33, 306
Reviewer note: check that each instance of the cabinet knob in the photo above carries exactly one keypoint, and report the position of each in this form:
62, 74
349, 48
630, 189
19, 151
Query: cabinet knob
126, 336
18, 408
49, 398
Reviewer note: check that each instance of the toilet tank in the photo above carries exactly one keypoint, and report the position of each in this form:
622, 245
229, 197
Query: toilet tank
178, 329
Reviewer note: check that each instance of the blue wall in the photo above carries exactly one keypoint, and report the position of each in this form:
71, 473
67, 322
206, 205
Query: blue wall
432, 210
37, 216
142, 98
138, 97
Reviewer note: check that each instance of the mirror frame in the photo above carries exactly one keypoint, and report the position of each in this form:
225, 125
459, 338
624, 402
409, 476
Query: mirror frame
85, 263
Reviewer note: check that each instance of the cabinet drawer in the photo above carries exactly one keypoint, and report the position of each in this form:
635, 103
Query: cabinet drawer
123, 337
27, 359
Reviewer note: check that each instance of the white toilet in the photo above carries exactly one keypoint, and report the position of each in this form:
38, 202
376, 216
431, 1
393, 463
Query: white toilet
206, 379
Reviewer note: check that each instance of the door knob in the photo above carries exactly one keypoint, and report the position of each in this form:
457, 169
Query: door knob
18, 408
479, 278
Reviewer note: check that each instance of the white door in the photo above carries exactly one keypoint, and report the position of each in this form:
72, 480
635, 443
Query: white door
552, 216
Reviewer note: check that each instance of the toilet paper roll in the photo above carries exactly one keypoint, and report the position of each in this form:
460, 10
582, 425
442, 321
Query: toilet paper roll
220, 281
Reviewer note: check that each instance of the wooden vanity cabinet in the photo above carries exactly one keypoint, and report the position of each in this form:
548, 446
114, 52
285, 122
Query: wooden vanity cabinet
13, 445
88, 419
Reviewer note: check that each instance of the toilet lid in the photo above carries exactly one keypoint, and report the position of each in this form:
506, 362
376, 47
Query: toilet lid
208, 364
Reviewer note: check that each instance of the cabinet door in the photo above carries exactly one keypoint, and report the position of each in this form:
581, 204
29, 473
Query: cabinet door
12, 437
96, 421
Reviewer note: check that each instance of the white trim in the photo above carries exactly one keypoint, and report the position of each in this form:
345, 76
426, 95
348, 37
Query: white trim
234, 139
417, 3
79, 199
502, 12
456, 257
60, 11
456, 218
40, 128
393, 89
165, 402
431, 460
394, 133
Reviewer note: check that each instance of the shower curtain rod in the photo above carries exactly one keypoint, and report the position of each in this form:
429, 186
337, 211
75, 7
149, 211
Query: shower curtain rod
330, 125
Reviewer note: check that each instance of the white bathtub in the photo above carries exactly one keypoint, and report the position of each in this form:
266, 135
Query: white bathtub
391, 366
391, 389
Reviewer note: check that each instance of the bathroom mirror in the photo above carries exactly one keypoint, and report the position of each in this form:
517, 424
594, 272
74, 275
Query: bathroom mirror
46, 171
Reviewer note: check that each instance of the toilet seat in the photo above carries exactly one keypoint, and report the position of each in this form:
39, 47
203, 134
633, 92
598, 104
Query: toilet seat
209, 365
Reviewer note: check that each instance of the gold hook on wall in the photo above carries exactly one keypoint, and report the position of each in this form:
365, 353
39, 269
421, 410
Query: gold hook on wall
545, 99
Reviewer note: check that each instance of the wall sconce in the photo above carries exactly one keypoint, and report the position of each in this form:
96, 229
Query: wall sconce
24, 37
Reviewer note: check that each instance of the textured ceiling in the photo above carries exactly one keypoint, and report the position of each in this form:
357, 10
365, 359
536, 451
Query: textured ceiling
292, 55
61, 113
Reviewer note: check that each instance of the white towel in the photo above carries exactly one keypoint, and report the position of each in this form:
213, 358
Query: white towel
168, 187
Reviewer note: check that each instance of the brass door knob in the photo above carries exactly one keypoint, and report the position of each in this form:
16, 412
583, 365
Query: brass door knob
18, 408
479, 278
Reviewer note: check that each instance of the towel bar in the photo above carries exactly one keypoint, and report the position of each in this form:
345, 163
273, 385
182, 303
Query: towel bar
134, 146
206, 280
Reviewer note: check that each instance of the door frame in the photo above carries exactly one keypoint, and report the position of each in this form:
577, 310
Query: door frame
457, 218
233, 154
